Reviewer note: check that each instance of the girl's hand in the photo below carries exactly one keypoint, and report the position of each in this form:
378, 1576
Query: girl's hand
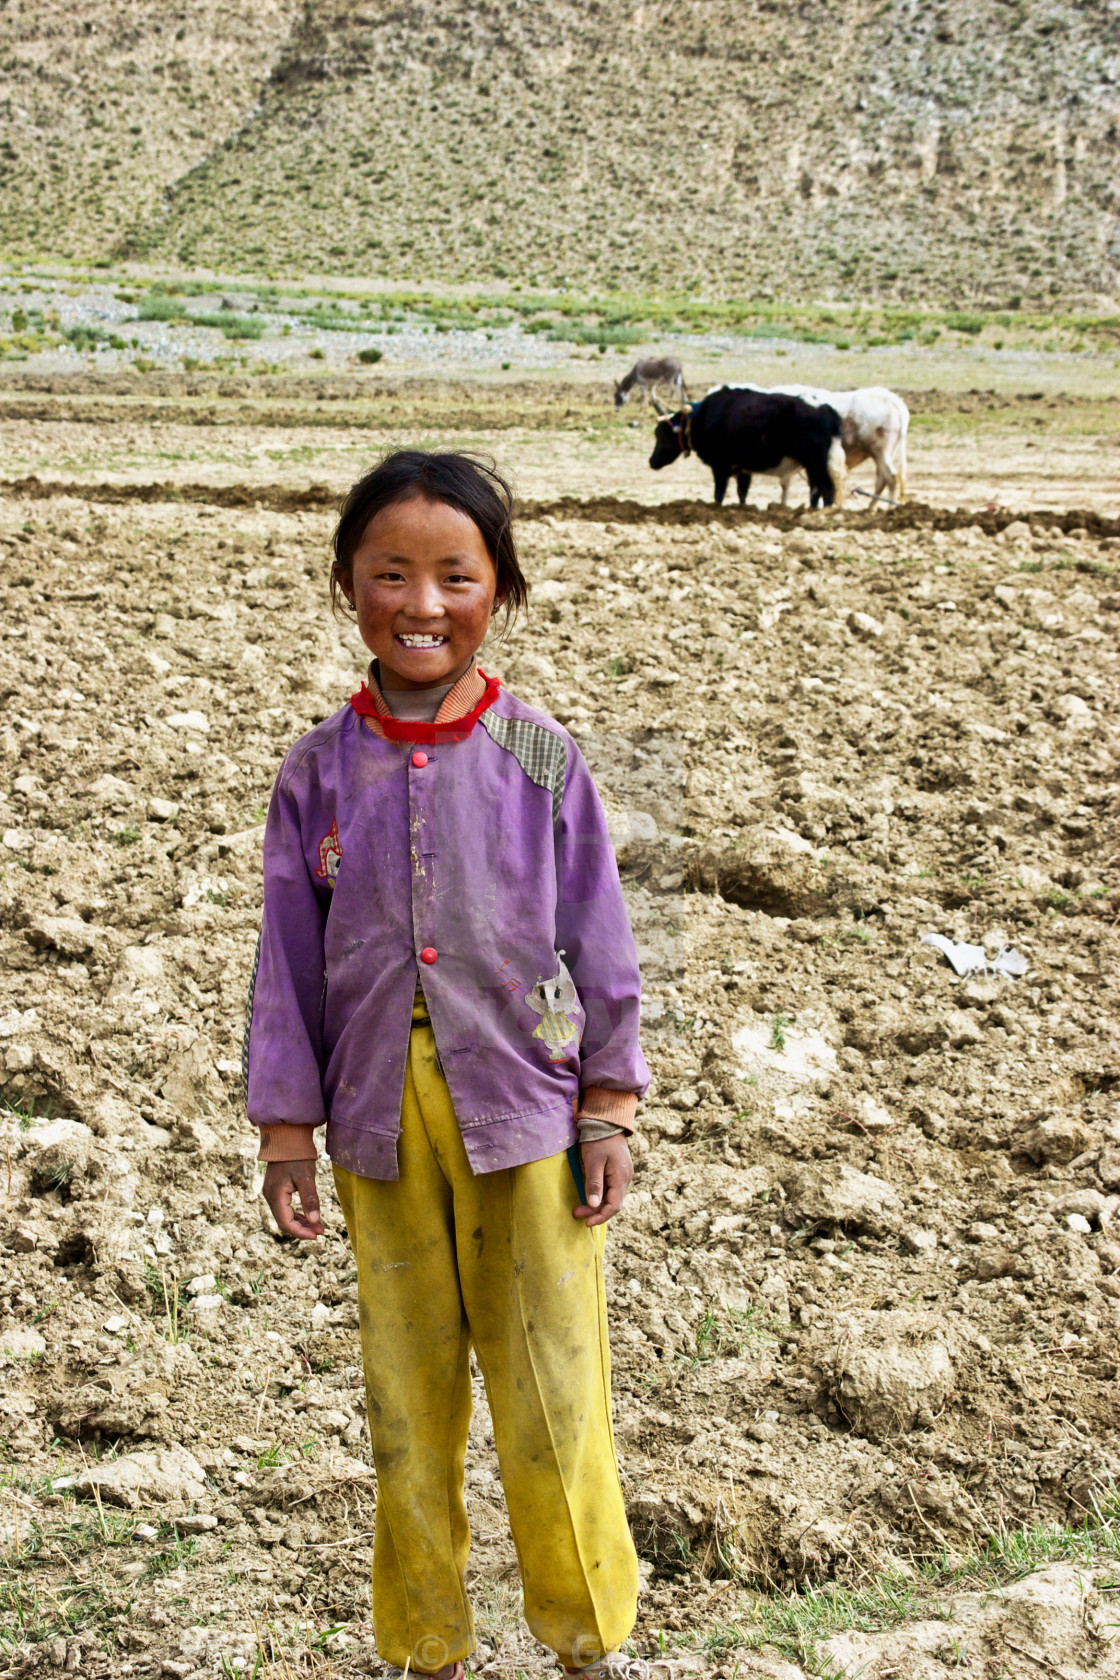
283, 1180
607, 1171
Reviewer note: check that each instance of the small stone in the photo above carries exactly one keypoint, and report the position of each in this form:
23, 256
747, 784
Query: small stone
199, 1523
177, 1667
202, 1285
994, 1261
1108, 1167
162, 810
1090, 1204
58, 1152
1077, 1222
110, 790
165, 626
320, 1315
197, 722
658, 1122
1073, 711
872, 1116
836, 1194
22, 1344
165, 1474
642, 825
115, 1325
917, 1240
207, 1303
899, 1370
242, 842
862, 624
686, 1097
68, 934
1059, 1140
963, 1029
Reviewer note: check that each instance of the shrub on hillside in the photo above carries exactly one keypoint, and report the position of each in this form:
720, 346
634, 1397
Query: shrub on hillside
159, 308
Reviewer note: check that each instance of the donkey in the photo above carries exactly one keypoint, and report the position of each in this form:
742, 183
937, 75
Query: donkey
647, 375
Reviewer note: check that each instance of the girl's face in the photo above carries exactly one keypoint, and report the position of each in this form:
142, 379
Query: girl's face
424, 588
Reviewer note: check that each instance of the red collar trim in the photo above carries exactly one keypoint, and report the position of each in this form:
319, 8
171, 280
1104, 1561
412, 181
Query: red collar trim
427, 734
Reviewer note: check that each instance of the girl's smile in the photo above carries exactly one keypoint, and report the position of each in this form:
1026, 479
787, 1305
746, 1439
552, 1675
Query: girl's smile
424, 588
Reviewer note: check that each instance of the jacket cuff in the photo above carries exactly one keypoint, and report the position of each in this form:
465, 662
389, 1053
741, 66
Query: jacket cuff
617, 1108
288, 1143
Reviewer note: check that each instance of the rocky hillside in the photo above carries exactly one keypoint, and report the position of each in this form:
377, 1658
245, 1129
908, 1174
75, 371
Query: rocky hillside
966, 151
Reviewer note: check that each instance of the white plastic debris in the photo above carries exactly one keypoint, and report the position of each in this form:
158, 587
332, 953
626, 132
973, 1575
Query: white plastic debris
965, 959
973, 959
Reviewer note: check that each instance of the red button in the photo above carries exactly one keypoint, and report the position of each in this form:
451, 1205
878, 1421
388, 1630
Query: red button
429, 954
419, 759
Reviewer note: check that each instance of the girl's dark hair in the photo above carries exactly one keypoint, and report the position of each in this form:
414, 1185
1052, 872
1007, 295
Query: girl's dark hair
475, 487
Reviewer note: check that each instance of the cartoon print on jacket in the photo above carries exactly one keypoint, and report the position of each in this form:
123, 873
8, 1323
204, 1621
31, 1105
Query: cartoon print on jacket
330, 855
549, 999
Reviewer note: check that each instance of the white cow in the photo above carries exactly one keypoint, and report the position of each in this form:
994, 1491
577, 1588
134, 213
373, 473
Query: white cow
873, 427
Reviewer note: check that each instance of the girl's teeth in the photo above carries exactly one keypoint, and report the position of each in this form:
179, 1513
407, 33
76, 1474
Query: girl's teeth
422, 641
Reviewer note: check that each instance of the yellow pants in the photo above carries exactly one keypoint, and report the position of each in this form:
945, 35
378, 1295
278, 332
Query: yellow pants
446, 1259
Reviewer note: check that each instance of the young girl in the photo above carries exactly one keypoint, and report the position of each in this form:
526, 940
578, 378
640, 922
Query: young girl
447, 977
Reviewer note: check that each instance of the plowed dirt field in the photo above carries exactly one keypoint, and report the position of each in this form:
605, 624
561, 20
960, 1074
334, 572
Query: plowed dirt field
866, 1289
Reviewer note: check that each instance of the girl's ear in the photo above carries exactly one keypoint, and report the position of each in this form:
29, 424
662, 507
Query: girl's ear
342, 583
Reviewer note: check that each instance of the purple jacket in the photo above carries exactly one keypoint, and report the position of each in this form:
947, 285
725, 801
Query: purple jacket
476, 869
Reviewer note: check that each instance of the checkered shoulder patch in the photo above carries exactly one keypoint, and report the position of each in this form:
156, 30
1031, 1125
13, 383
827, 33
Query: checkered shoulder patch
541, 754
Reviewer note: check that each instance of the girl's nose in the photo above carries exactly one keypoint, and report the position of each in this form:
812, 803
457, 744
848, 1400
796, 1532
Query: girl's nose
424, 601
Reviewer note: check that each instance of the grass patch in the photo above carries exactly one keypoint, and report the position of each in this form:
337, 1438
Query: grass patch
169, 1301
779, 1027
796, 1624
596, 335
731, 1335
625, 318
183, 1554
231, 326
89, 337
157, 307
